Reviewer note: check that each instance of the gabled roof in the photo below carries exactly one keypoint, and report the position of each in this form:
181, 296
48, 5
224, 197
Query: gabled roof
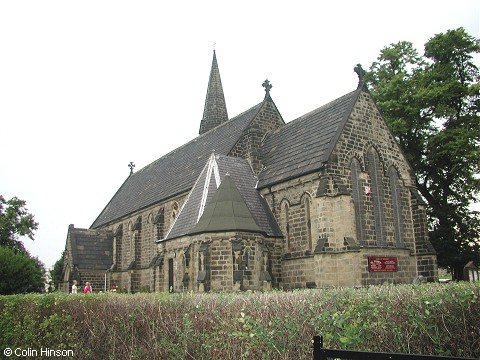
176, 172
91, 249
206, 188
303, 145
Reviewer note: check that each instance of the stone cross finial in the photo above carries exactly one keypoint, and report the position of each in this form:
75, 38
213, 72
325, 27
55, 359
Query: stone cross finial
131, 166
266, 84
361, 73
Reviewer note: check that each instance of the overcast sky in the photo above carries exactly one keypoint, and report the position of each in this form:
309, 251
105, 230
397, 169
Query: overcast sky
88, 86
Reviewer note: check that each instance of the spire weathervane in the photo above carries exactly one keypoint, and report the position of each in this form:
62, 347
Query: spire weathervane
266, 84
131, 166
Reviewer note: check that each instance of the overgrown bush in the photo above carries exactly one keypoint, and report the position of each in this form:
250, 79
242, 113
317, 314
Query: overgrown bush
430, 319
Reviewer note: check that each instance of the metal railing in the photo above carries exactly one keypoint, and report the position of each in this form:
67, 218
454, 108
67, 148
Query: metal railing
320, 353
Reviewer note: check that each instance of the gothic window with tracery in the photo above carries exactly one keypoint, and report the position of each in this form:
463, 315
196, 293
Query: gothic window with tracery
159, 222
377, 193
137, 228
398, 221
358, 202
308, 221
286, 215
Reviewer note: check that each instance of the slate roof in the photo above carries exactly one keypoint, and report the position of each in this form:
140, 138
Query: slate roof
205, 189
91, 249
303, 145
176, 172
227, 211
300, 147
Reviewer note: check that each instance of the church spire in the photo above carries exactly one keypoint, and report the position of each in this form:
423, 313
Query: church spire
215, 111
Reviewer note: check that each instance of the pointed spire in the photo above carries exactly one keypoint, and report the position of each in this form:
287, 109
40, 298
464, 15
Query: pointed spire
215, 111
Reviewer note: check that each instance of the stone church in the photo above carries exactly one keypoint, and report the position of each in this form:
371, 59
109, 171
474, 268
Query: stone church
257, 203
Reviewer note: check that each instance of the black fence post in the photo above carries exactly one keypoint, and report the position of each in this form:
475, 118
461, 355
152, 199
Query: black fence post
317, 347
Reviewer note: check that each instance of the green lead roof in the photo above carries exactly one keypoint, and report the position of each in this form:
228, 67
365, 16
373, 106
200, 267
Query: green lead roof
227, 211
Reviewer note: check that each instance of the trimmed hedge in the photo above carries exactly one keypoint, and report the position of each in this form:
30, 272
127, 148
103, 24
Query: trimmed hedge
429, 319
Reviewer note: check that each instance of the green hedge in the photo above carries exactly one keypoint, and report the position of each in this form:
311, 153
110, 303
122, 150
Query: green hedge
430, 319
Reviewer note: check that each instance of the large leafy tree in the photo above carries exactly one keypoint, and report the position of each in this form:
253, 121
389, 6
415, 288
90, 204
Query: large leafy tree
19, 271
432, 105
15, 221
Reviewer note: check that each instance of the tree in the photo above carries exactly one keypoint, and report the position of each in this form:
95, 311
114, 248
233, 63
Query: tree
432, 105
15, 221
58, 272
19, 272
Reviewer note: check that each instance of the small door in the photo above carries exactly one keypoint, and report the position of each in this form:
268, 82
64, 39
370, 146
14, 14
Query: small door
170, 275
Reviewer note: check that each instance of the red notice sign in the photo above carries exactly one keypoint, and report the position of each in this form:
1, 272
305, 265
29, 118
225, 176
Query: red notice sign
382, 264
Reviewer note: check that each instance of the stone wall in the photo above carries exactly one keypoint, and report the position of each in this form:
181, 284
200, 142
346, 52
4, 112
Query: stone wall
248, 147
328, 235
211, 262
320, 220
298, 272
96, 279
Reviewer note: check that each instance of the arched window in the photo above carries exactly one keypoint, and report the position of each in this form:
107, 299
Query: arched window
286, 225
398, 221
117, 245
246, 259
377, 193
307, 203
357, 195
137, 227
159, 222
130, 253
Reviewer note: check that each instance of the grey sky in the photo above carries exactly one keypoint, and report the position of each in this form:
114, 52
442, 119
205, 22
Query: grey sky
86, 87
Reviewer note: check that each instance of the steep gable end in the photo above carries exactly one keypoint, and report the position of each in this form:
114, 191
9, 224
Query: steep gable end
267, 120
305, 144
91, 249
365, 129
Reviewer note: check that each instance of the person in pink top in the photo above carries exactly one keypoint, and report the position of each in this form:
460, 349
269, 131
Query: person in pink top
87, 289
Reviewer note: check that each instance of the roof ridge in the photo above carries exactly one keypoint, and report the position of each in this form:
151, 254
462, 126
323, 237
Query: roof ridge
344, 121
197, 138
298, 141
167, 234
110, 201
330, 103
